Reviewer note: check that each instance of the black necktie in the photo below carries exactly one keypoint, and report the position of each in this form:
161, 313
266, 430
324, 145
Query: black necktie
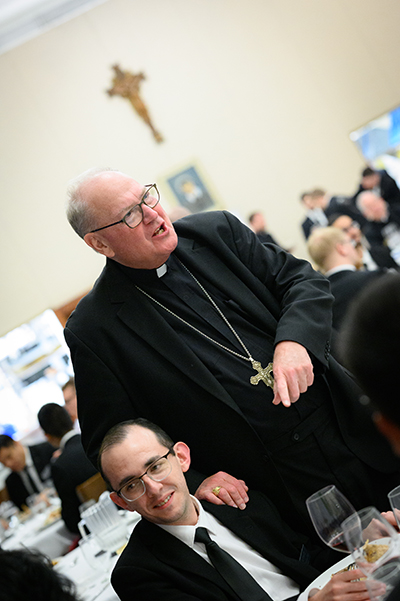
238, 578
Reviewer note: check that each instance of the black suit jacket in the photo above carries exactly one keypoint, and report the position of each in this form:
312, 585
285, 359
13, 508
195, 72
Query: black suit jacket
388, 189
71, 468
338, 205
157, 565
129, 361
345, 286
41, 457
374, 230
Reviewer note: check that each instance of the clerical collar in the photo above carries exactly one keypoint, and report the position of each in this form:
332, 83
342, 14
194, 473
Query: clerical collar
160, 271
145, 276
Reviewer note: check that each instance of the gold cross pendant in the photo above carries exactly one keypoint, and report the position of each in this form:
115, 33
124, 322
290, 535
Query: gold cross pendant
264, 374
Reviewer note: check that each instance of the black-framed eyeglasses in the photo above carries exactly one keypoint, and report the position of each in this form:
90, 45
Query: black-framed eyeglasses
157, 471
134, 217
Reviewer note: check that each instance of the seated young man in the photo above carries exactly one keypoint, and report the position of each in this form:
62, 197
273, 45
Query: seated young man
163, 558
30, 468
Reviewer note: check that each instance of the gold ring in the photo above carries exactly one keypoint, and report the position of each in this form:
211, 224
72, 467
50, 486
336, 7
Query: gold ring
216, 490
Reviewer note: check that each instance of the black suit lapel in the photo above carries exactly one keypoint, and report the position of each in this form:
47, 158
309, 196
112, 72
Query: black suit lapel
170, 551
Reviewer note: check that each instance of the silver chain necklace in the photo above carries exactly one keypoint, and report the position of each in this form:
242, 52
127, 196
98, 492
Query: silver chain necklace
264, 373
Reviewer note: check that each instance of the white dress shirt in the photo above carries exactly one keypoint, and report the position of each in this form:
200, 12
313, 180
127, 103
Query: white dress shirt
270, 578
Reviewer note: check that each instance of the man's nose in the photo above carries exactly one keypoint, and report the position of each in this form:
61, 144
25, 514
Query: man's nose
152, 487
149, 214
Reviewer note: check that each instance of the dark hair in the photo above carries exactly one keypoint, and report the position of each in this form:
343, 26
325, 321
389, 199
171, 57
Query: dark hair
6, 441
55, 420
367, 172
370, 343
252, 216
71, 382
30, 575
119, 432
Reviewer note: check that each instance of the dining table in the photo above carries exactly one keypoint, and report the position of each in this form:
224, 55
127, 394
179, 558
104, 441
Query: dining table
94, 584
42, 531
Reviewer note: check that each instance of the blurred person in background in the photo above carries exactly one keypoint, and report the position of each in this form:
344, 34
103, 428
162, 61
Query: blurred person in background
372, 257
70, 402
71, 467
30, 468
337, 256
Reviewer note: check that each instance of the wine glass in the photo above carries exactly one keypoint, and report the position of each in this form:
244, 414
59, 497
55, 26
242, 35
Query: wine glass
372, 541
394, 499
328, 508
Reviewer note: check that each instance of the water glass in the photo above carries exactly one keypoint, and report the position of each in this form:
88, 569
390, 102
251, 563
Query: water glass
371, 539
383, 580
394, 500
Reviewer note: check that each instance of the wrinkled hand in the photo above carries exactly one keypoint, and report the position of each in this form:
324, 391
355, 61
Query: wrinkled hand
293, 372
233, 492
342, 588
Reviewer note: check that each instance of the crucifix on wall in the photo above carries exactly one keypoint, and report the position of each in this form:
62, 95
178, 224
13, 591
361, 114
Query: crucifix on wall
127, 85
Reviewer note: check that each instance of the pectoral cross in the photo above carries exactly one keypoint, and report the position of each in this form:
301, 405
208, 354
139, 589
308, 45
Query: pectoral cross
264, 374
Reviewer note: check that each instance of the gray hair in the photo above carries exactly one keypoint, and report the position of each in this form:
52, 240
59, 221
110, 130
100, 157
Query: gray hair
361, 198
80, 215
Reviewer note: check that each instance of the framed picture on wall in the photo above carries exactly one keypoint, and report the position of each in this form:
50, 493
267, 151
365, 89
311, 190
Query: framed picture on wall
190, 190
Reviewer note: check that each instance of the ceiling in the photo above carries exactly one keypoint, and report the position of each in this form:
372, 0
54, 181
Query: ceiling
22, 20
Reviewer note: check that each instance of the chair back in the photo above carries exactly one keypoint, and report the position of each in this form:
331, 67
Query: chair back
91, 488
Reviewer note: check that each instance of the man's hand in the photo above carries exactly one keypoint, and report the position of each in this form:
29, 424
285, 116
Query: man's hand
293, 372
342, 588
390, 517
232, 492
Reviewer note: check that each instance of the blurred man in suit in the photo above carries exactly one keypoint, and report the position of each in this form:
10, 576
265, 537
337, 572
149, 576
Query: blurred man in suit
320, 206
383, 222
72, 467
164, 556
259, 227
337, 256
379, 182
30, 467
373, 257
71, 403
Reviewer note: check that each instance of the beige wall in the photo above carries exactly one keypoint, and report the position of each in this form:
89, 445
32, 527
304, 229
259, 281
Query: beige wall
262, 93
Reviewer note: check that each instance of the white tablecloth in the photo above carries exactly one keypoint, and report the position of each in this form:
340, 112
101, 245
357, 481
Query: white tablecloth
52, 540
91, 584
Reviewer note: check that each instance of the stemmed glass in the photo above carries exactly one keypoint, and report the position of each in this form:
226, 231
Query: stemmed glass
328, 508
371, 539
394, 499
374, 544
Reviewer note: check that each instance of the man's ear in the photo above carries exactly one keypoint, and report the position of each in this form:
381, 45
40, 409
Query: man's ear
99, 244
120, 501
182, 453
390, 430
340, 248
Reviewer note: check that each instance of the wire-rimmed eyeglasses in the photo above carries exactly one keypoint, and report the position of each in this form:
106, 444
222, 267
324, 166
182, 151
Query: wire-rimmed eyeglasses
134, 217
157, 471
